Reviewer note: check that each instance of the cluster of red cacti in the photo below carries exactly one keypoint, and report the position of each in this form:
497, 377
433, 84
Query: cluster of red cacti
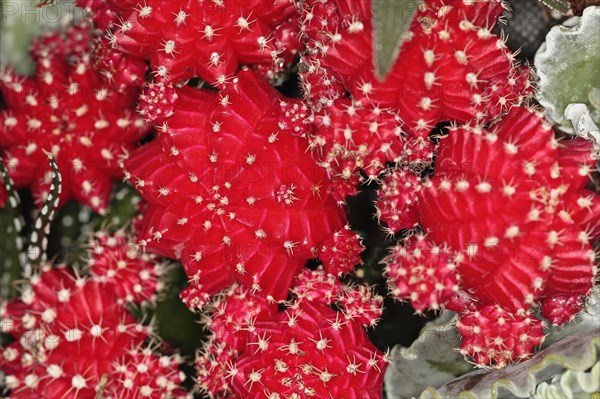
243, 186
233, 194
74, 337
257, 350
67, 108
449, 68
508, 224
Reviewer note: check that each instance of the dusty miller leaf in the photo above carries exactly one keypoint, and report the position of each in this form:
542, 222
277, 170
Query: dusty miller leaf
571, 384
567, 65
391, 23
430, 360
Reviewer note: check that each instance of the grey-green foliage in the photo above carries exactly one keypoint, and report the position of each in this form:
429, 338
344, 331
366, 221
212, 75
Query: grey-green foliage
576, 354
392, 19
568, 66
21, 21
430, 361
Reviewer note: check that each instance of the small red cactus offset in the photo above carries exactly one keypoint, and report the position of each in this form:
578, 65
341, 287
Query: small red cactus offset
315, 285
398, 196
230, 317
115, 260
232, 193
147, 375
357, 302
561, 309
72, 338
208, 39
360, 305
351, 136
157, 101
494, 336
67, 110
423, 272
341, 252
117, 68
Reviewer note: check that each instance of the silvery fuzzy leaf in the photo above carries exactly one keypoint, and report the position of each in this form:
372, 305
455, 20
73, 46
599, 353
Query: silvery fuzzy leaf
430, 360
568, 66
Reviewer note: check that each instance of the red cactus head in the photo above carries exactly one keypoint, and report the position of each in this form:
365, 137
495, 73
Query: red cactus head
232, 192
398, 196
207, 39
68, 110
308, 349
513, 201
70, 335
495, 337
510, 204
450, 66
423, 272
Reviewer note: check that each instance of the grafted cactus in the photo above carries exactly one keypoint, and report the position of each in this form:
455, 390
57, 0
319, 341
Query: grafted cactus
492, 214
